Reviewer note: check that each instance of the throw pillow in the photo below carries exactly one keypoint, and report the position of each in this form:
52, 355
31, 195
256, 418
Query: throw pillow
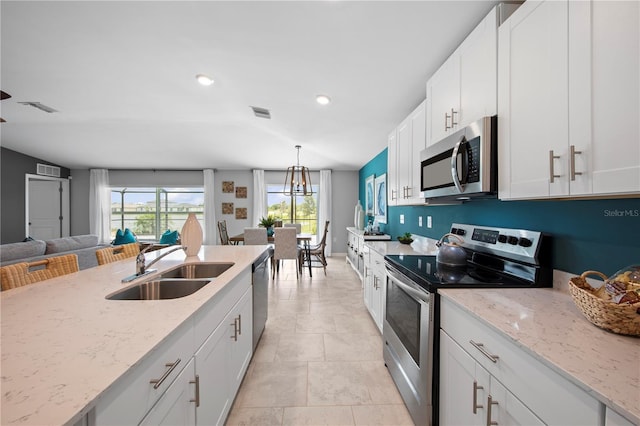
125, 237
169, 237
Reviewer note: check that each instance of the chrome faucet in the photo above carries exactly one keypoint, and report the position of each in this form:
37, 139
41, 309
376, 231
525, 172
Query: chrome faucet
141, 262
141, 266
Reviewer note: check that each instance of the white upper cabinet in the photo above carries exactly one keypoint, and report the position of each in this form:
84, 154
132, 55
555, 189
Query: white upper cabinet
403, 167
568, 98
464, 88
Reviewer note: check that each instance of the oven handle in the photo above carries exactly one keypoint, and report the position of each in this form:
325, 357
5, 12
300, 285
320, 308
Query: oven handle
454, 165
418, 295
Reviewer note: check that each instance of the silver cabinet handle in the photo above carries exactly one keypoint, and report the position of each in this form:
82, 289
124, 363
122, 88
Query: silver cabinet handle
240, 324
197, 383
235, 329
490, 402
393, 191
453, 113
552, 175
480, 347
572, 159
475, 397
171, 366
446, 124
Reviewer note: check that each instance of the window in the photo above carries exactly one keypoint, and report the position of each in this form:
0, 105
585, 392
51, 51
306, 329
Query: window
301, 209
149, 212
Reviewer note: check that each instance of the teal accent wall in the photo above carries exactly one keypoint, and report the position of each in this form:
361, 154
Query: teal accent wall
586, 234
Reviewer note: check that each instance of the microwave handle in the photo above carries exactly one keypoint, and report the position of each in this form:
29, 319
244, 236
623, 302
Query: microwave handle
454, 165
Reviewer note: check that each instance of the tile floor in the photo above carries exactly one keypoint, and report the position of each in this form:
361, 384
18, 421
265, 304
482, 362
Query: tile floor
319, 361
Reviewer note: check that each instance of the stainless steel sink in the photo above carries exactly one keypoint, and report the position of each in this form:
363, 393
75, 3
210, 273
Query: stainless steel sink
160, 289
197, 270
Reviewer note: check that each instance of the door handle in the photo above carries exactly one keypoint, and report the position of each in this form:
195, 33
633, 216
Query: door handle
572, 164
197, 383
552, 174
475, 397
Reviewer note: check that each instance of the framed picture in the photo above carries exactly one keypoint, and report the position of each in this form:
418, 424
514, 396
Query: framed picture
380, 185
227, 186
227, 208
241, 213
369, 199
241, 192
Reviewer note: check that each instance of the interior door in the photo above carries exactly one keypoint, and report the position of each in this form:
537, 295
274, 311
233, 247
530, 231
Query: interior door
47, 212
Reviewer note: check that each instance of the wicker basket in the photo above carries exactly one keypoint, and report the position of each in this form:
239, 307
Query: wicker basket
618, 318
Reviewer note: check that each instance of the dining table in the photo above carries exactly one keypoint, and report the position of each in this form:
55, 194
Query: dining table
305, 239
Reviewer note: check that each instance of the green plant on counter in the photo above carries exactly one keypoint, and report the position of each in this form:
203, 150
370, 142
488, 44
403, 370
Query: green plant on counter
406, 238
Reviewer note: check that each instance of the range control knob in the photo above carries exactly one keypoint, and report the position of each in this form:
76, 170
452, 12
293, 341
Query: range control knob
454, 230
525, 242
502, 238
461, 231
512, 240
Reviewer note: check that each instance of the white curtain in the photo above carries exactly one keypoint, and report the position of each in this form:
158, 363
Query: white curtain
324, 209
210, 223
259, 197
100, 205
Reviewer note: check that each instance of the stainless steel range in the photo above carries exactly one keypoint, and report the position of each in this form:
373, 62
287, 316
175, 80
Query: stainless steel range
496, 257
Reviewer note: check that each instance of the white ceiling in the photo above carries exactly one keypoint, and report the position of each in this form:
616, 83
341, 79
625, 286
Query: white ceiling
122, 77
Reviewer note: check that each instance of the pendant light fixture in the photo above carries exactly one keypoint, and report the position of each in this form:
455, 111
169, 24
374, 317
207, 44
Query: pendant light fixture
297, 181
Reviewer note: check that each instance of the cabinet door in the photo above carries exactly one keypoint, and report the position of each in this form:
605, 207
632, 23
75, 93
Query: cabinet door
418, 120
479, 72
533, 101
604, 78
464, 386
392, 169
178, 404
404, 152
241, 349
506, 409
443, 96
211, 366
614, 419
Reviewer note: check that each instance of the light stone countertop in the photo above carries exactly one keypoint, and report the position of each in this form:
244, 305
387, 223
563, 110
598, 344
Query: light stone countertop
549, 326
64, 344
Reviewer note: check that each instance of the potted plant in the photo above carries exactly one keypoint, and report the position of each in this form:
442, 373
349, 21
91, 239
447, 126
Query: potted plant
268, 222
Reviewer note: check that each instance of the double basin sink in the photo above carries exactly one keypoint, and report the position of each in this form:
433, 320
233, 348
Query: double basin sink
174, 283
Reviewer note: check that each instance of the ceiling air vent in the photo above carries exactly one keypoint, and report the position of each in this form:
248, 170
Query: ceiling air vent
261, 112
47, 170
39, 106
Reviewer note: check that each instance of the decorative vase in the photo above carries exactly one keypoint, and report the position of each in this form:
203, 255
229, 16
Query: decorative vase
191, 235
358, 219
270, 231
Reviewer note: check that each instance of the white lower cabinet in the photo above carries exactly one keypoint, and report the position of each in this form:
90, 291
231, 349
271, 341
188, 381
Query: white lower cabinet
194, 375
222, 361
612, 418
375, 286
177, 405
485, 378
471, 396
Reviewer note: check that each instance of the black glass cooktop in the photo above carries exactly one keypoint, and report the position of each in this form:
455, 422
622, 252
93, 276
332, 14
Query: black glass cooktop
480, 272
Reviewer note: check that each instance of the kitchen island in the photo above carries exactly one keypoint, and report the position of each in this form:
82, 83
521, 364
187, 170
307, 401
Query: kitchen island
65, 346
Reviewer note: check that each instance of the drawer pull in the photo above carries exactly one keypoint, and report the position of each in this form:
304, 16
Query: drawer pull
490, 402
480, 347
235, 329
239, 324
197, 383
475, 397
158, 382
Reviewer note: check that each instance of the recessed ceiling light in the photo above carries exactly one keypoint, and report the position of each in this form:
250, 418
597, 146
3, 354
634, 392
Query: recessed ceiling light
323, 99
205, 80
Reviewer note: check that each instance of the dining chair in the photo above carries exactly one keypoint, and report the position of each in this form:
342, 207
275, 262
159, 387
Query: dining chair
24, 273
316, 252
255, 236
285, 247
298, 226
115, 253
222, 229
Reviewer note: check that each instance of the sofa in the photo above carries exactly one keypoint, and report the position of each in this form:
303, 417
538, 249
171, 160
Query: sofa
84, 246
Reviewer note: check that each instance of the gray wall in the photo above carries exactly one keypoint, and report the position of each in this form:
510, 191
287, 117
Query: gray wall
13, 168
344, 190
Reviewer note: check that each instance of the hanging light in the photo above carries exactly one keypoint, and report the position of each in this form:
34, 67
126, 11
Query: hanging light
297, 181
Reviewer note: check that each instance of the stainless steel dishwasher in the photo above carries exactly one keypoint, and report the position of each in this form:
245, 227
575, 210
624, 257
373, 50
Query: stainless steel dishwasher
260, 273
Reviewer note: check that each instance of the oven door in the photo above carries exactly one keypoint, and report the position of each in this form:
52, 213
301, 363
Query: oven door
408, 333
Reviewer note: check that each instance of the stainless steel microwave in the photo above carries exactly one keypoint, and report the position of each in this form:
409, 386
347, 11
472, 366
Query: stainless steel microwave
463, 165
